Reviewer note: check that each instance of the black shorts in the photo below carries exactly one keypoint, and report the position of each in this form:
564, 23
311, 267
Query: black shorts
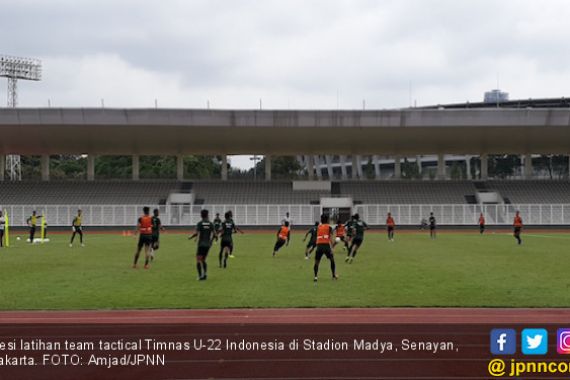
357, 241
77, 229
144, 240
390, 228
279, 243
155, 242
203, 251
518, 230
432, 228
323, 250
482, 227
311, 244
227, 243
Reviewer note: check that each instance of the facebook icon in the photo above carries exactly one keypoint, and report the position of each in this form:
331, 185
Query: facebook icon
503, 341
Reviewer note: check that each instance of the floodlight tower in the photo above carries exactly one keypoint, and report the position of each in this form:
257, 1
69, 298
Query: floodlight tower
15, 68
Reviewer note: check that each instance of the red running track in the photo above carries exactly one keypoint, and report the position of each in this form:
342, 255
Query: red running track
291, 316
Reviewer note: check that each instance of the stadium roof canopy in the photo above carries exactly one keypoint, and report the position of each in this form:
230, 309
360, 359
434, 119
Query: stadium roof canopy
103, 131
519, 103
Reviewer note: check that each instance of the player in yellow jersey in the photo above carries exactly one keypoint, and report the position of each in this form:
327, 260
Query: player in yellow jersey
77, 229
32, 223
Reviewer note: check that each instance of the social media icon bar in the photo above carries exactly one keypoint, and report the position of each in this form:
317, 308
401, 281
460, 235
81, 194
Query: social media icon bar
563, 341
534, 341
504, 341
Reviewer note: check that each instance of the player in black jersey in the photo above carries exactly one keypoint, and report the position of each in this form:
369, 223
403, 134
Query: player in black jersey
312, 244
205, 233
227, 229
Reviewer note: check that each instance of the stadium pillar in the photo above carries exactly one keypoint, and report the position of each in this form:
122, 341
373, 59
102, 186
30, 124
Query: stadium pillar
330, 171
225, 168
318, 167
90, 167
354, 167
344, 176
484, 167
468, 167
359, 164
45, 167
419, 163
136, 168
440, 166
528, 166
397, 168
311, 167
2, 167
268, 168
180, 167
376, 167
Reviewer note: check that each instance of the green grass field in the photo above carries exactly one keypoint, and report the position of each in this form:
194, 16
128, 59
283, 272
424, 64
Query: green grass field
454, 270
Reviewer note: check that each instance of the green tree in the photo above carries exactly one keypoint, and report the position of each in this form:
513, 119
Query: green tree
202, 167
369, 171
457, 171
68, 167
113, 167
410, 170
157, 167
504, 166
282, 167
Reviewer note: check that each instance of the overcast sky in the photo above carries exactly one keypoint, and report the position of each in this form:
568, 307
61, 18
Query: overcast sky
324, 54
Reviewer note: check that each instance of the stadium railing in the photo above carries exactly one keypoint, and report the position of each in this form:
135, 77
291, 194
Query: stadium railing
271, 215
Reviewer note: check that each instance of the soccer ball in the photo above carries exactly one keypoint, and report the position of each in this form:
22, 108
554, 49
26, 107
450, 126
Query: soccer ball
18, 238
337, 240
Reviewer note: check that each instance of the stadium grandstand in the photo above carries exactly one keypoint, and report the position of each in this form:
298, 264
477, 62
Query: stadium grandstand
455, 193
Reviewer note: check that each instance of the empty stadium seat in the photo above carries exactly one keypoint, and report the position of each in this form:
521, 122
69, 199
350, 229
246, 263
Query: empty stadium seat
64, 193
253, 193
409, 192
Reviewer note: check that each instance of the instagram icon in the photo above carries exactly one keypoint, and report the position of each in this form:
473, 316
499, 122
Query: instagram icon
563, 341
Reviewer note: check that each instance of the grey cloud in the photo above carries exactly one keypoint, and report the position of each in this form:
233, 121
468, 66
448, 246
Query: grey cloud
306, 49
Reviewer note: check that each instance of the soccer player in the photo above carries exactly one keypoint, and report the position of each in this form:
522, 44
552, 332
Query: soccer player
432, 226
217, 226
32, 223
2, 228
287, 219
390, 226
518, 225
205, 233
227, 229
156, 228
231, 215
481, 224
144, 229
359, 227
312, 244
77, 229
283, 236
349, 225
340, 231
324, 246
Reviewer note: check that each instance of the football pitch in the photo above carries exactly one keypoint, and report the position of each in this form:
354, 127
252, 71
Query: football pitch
456, 270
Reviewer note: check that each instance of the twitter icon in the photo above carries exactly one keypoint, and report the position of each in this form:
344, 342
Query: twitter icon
534, 341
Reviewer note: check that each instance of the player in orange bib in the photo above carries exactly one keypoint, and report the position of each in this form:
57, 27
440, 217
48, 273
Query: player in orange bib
144, 229
283, 236
481, 224
324, 246
518, 225
340, 232
390, 226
